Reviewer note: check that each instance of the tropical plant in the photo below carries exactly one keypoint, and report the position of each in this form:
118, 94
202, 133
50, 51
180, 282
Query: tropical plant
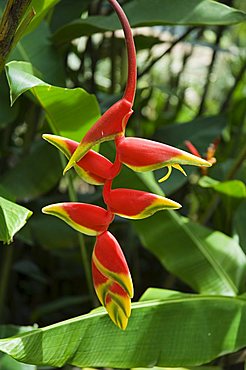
194, 258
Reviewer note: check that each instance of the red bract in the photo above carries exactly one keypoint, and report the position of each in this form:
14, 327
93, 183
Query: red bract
86, 218
93, 168
111, 124
145, 155
112, 279
137, 204
115, 299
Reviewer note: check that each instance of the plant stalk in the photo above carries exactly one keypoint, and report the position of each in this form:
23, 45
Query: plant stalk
210, 70
6, 266
10, 21
85, 260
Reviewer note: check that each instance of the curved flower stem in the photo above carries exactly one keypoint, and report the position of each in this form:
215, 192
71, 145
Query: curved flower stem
130, 90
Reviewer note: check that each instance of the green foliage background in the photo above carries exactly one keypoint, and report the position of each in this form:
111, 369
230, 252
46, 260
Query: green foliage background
188, 267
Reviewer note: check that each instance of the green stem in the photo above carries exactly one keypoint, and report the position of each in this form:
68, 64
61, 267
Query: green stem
10, 21
85, 260
73, 198
6, 266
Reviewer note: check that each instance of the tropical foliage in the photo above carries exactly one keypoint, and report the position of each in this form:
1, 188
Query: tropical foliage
62, 67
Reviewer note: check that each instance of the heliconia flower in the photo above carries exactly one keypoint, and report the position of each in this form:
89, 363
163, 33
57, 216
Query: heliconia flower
209, 155
86, 218
146, 155
114, 120
93, 168
111, 124
115, 299
136, 204
112, 279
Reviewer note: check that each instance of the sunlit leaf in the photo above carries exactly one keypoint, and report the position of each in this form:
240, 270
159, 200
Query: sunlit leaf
7, 362
12, 218
70, 112
239, 223
152, 337
232, 188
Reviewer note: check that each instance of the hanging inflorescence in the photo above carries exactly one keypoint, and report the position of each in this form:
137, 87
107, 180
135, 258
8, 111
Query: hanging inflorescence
111, 276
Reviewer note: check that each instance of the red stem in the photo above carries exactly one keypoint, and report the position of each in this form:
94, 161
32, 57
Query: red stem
130, 89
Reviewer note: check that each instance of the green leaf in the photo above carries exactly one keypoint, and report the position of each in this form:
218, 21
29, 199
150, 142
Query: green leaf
158, 12
37, 49
208, 261
12, 218
41, 9
65, 13
239, 223
152, 337
7, 114
35, 174
70, 112
201, 132
7, 362
232, 188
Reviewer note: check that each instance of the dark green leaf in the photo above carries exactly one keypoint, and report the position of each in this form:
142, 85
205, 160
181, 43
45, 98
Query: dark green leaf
34, 175
37, 49
158, 12
201, 132
209, 261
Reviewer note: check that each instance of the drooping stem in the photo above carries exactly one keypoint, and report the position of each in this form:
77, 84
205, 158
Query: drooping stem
130, 90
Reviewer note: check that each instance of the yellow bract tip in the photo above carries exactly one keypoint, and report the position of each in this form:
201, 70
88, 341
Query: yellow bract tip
178, 167
68, 166
169, 171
